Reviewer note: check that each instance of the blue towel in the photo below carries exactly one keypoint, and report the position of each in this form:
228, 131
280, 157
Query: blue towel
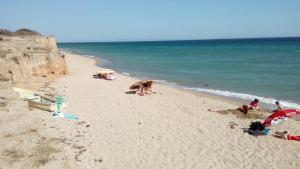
65, 115
70, 116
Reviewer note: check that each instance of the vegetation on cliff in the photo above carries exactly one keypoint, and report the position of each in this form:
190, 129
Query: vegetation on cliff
19, 32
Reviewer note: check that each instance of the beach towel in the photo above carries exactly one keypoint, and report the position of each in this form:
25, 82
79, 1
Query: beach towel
65, 115
111, 77
296, 138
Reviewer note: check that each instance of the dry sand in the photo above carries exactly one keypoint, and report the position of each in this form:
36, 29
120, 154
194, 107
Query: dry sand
172, 129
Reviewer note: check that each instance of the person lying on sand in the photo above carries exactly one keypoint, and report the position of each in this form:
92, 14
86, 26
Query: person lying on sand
107, 76
285, 135
253, 105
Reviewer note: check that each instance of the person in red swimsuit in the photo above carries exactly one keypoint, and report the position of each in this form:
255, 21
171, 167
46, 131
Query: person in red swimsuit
253, 105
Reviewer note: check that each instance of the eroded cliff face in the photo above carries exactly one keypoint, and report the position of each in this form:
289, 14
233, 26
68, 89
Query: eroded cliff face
22, 57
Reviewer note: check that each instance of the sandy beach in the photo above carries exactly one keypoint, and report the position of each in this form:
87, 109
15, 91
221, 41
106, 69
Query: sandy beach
171, 129
149, 84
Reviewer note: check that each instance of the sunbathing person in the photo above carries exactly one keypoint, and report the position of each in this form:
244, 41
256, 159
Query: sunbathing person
107, 76
253, 105
285, 135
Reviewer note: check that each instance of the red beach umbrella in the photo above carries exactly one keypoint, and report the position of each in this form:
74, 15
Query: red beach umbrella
280, 116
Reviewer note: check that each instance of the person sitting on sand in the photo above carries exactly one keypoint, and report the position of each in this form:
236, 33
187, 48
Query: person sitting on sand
285, 135
253, 105
146, 88
278, 106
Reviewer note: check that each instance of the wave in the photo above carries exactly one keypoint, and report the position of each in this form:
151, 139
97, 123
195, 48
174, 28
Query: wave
165, 82
245, 96
125, 73
90, 56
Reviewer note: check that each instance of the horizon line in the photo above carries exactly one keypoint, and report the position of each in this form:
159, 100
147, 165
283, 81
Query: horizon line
174, 40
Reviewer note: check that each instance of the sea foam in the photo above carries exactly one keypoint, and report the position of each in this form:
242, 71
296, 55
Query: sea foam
245, 96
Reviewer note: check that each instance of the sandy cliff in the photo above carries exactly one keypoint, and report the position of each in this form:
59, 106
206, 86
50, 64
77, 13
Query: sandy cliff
27, 54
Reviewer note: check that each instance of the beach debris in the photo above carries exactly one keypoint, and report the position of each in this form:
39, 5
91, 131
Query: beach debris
280, 116
25, 93
98, 160
232, 125
211, 110
144, 86
59, 102
40, 100
3, 102
81, 123
40, 104
47, 103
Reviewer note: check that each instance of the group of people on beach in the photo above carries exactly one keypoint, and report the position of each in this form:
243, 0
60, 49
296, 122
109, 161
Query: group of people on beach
254, 105
279, 134
143, 87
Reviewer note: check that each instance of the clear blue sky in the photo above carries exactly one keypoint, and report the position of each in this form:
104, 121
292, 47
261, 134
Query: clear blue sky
130, 20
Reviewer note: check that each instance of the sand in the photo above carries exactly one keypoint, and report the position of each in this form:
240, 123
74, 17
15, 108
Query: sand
172, 129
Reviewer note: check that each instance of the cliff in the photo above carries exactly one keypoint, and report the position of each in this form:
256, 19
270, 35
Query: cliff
26, 53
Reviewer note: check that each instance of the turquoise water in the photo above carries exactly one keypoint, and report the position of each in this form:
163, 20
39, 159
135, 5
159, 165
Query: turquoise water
240, 68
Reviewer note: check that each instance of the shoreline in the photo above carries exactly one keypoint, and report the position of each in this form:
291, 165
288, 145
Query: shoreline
236, 86
233, 101
229, 99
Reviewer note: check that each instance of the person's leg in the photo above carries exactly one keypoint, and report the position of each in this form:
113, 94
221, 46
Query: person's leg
142, 91
245, 109
148, 91
280, 134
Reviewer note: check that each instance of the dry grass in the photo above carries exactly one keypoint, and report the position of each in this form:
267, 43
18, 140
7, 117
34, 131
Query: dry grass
13, 155
43, 152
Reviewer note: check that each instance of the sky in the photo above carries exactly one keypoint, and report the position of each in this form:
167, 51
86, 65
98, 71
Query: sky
143, 20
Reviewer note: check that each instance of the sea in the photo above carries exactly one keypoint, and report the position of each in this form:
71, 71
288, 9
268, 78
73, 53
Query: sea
263, 68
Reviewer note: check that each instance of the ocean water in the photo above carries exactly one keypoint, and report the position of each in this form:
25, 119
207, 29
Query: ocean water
268, 69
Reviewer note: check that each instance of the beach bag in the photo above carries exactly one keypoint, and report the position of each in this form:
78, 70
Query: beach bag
256, 126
